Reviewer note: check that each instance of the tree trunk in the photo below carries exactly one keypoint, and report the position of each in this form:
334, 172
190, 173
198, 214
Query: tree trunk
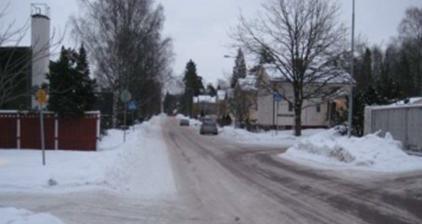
298, 120
298, 101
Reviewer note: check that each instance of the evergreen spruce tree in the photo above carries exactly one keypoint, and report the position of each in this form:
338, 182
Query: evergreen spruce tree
211, 90
71, 91
193, 87
86, 87
239, 69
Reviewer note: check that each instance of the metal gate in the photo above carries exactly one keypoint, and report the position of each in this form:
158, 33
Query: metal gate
403, 122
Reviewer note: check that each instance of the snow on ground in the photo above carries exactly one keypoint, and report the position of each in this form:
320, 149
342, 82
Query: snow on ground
284, 138
140, 166
370, 153
21, 216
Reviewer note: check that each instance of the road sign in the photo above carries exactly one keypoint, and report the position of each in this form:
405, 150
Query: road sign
125, 96
132, 105
277, 97
41, 96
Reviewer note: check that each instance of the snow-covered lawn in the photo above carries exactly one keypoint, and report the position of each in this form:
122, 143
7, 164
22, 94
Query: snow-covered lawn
369, 153
139, 165
21, 216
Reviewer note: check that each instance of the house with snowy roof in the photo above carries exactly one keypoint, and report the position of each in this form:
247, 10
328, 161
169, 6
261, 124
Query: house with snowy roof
273, 97
204, 105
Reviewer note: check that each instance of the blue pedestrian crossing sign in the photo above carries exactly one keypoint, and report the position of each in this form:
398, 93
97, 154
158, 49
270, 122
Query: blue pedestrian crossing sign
132, 105
277, 97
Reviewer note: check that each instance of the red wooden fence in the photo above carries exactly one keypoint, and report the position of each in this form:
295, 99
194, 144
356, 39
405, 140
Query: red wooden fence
21, 130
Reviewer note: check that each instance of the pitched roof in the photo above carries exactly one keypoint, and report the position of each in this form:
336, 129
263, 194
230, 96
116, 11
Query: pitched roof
248, 83
204, 99
328, 75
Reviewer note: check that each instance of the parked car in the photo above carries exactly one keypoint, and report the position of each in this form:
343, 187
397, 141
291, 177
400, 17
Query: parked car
184, 122
208, 126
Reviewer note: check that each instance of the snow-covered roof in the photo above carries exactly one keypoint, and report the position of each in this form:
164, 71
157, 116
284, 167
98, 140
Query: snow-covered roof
204, 99
409, 101
328, 75
221, 95
248, 83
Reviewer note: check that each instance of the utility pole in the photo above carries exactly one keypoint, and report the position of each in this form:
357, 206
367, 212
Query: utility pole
352, 71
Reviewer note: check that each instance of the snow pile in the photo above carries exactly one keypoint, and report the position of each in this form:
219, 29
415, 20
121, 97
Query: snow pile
139, 165
284, 138
21, 216
371, 152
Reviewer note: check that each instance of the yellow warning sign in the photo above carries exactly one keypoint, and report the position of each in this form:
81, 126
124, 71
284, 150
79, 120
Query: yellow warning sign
41, 96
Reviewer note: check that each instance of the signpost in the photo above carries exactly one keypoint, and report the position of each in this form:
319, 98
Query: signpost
125, 96
41, 97
132, 107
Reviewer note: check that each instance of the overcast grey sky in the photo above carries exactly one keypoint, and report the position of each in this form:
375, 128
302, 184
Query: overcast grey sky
199, 28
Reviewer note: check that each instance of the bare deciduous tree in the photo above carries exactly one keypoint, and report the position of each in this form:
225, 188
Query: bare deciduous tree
411, 35
16, 61
304, 39
125, 42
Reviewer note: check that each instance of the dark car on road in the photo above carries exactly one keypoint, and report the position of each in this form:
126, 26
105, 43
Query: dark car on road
184, 122
208, 126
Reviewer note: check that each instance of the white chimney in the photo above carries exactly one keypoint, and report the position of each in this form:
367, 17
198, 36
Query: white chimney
40, 43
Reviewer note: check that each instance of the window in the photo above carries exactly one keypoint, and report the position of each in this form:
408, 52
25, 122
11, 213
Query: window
318, 108
290, 106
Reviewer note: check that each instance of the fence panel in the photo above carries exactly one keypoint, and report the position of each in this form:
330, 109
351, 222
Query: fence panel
31, 132
8, 130
404, 123
78, 134
414, 128
22, 130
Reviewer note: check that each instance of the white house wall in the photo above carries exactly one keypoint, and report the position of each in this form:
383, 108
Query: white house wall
310, 116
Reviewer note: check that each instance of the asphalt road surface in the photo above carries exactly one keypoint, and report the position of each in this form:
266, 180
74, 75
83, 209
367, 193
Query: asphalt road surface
224, 182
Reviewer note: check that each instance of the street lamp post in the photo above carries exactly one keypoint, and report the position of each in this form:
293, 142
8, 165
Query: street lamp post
352, 70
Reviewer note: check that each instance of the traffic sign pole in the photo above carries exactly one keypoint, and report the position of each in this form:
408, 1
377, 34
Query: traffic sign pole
41, 97
125, 122
125, 96
42, 135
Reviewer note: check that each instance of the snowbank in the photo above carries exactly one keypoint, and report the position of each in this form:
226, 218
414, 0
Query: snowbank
140, 165
21, 216
284, 138
372, 152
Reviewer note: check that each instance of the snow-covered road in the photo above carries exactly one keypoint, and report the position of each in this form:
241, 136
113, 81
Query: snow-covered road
219, 181
225, 181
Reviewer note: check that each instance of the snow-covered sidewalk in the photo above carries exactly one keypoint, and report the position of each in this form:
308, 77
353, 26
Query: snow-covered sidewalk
140, 165
21, 216
329, 150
